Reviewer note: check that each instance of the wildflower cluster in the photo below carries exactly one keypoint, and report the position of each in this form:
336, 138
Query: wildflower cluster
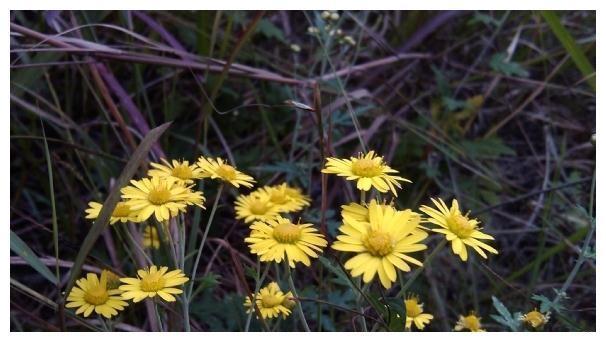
330, 21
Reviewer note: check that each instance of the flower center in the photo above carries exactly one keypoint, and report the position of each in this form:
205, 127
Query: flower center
378, 243
287, 233
270, 301
472, 323
461, 226
413, 309
181, 172
226, 172
121, 210
535, 318
152, 283
159, 195
366, 168
96, 295
258, 207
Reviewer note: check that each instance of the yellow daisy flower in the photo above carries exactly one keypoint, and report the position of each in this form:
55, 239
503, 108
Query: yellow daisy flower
92, 294
151, 238
368, 170
271, 302
470, 322
535, 318
153, 281
286, 198
163, 197
179, 171
414, 313
459, 229
218, 168
381, 242
122, 212
278, 238
255, 206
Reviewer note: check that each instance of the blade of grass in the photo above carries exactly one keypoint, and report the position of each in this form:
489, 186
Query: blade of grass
113, 197
22, 249
577, 55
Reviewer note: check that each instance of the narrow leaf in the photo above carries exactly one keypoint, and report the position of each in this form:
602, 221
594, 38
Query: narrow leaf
22, 249
112, 199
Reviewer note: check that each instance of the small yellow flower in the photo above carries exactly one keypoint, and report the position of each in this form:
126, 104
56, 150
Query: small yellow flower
255, 206
122, 212
271, 302
92, 294
162, 197
219, 169
458, 228
359, 212
414, 313
150, 237
278, 238
535, 318
470, 322
153, 281
179, 171
381, 243
286, 198
368, 170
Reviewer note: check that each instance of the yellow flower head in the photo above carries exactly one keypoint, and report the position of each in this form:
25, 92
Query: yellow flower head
458, 228
470, 322
414, 313
271, 302
219, 169
368, 170
150, 237
255, 206
162, 197
122, 212
113, 280
286, 198
92, 294
359, 212
381, 243
153, 281
181, 172
279, 238
535, 318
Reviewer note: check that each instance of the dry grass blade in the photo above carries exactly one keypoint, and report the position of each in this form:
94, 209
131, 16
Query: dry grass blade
113, 197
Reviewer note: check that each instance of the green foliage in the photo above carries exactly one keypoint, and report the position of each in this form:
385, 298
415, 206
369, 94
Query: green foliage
499, 63
505, 317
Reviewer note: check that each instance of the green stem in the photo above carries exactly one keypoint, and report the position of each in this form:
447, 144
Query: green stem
363, 290
260, 279
362, 197
157, 310
135, 244
417, 272
206, 229
291, 283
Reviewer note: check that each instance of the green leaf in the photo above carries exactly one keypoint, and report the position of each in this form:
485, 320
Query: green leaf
505, 317
269, 30
499, 63
577, 55
113, 197
22, 249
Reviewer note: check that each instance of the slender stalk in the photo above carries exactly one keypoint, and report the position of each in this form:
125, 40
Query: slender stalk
260, 279
291, 283
157, 310
362, 197
359, 302
206, 229
136, 244
417, 272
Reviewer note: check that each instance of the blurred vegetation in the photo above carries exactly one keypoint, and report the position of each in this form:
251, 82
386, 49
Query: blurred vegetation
494, 108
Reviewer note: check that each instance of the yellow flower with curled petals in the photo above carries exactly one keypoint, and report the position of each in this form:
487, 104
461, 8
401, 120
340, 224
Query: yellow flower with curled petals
122, 212
367, 170
255, 206
415, 314
470, 322
279, 239
153, 281
180, 171
92, 294
286, 198
458, 228
271, 302
381, 244
218, 168
162, 197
